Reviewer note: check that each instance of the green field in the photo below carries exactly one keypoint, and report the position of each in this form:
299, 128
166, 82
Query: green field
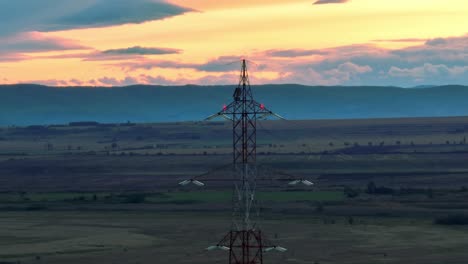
226, 196
171, 197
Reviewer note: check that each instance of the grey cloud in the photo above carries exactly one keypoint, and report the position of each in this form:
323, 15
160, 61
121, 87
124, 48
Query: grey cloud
434, 74
320, 2
49, 82
224, 79
99, 56
104, 81
12, 57
436, 62
155, 80
428, 69
294, 53
109, 81
220, 64
137, 50
76, 82
436, 41
346, 73
453, 51
115, 12
51, 15
229, 63
401, 40
353, 68
14, 48
36, 42
14, 54
125, 54
149, 64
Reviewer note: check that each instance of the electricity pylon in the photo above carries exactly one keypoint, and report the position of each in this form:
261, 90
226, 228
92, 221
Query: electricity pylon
245, 241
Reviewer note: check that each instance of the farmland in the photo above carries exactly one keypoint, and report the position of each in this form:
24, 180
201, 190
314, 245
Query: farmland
386, 191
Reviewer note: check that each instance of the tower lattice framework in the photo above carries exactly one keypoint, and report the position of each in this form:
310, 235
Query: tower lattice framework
245, 241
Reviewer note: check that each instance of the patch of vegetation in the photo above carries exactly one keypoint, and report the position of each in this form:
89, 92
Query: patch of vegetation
321, 196
171, 197
458, 219
36, 207
20, 197
226, 196
350, 192
135, 198
373, 189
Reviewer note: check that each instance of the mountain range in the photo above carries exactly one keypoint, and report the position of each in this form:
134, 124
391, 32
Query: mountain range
28, 104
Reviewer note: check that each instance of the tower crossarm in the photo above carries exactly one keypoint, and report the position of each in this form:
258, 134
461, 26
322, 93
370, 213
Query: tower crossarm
260, 110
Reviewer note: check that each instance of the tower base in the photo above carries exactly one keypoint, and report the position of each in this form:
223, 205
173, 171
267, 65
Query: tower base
245, 246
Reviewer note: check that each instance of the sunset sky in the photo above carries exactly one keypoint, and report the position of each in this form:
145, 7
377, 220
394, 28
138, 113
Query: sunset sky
326, 42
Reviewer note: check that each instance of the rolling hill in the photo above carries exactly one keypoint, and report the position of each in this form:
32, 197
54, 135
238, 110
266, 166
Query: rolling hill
26, 104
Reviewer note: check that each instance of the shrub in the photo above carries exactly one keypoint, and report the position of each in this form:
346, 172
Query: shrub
35, 207
384, 190
319, 208
350, 192
373, 189
458, 219
135, 198
430, 193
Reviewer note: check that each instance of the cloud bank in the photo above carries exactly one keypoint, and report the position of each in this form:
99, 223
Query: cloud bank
137, 50
15, 48
37, 42
321, 2
51, 15
436, 61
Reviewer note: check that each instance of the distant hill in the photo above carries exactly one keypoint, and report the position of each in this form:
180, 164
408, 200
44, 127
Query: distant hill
25, 104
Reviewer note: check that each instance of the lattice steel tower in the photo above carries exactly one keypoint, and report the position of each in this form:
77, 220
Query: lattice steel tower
245, 241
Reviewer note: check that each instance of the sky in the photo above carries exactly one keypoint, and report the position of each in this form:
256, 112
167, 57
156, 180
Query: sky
176, 42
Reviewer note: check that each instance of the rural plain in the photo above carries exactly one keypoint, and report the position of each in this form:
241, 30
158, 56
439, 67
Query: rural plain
386, 191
